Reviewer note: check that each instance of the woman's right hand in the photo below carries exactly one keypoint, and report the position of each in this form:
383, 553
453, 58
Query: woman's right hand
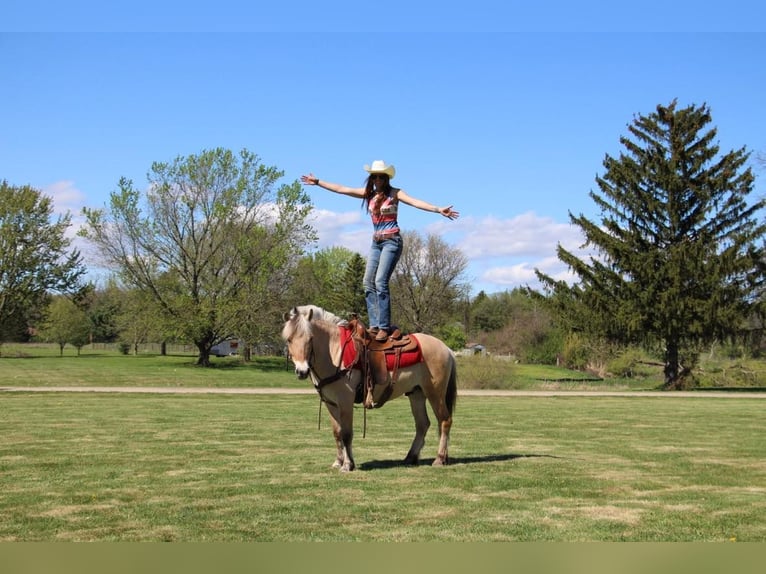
309, 179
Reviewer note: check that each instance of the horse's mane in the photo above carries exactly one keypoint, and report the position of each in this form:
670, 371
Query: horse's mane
303, 325
320, 314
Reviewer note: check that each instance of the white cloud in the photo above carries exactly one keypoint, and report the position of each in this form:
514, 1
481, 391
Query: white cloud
521, 236
502, 277
511, 276
330, 222
65, 196
345, 229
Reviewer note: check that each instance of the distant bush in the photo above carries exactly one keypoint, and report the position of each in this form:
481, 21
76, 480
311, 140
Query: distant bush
630, 364
484, 372
577, 352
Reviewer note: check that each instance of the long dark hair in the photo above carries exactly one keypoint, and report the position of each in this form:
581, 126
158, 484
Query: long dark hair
369, 188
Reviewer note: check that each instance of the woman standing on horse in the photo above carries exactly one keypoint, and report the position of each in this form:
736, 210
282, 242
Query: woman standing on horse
382, 203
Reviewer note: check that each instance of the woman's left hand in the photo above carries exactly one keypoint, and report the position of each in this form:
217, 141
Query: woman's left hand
449, 213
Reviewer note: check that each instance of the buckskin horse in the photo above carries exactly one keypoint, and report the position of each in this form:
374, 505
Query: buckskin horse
340, 359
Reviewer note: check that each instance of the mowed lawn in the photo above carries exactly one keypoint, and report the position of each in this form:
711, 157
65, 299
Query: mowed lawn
170, 467
109, 369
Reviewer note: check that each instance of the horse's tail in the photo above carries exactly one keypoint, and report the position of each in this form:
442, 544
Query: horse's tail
451, 398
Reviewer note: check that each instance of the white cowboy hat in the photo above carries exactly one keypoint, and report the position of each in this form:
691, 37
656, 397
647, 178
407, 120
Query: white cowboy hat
379, 166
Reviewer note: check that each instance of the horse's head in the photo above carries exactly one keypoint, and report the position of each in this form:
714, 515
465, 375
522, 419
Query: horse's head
297, 334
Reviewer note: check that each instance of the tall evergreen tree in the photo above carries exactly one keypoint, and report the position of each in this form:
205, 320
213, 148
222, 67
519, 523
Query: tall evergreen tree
351, 294
679, 247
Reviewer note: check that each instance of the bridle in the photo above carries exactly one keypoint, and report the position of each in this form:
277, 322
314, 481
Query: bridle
321, 382
340, 371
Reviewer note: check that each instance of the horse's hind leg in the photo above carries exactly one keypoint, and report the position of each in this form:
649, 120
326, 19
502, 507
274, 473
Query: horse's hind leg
444, 418
422, 423
441, 456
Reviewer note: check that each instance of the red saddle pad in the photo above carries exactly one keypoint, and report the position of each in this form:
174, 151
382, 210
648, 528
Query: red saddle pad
405, 359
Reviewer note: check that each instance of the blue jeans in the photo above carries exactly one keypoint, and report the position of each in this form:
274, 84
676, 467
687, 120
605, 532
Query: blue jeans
383, 258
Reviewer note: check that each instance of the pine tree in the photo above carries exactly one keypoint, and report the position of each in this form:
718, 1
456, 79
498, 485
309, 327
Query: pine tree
352, 294
679, 249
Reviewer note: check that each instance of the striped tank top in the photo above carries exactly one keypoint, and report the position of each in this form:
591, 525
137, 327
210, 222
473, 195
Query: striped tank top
383, 211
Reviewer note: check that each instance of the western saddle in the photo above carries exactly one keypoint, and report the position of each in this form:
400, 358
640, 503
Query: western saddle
372, 359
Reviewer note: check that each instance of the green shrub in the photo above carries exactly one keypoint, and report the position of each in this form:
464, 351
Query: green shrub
577, 352
631, 364
453, 336
485, 372
545, 350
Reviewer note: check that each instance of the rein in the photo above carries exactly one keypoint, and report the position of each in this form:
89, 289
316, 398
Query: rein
340, 371
321, 382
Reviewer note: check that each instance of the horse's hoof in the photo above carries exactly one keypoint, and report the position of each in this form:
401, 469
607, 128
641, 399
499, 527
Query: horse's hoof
411, 461
439, 462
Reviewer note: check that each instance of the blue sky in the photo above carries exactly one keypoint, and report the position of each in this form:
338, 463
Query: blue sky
509, 126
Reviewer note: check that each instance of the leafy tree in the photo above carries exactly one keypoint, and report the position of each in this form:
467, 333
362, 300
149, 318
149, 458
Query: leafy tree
680, 254
428, 282
331, 278
515, 322
210, 229
491, 312
453, 335
65, 323
139, 319
104, 306
35, 256
261, 306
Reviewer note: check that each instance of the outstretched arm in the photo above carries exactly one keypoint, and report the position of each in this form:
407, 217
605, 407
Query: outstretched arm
310, 179
447, 211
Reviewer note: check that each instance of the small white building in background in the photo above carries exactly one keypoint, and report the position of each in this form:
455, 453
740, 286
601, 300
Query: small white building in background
473, 349
226, 348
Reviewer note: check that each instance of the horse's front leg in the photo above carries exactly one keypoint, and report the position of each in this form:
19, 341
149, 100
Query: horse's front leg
422, 423
338, 444
343, 432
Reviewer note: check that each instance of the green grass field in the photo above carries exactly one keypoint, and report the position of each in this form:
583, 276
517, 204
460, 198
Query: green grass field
223, 467
115, 467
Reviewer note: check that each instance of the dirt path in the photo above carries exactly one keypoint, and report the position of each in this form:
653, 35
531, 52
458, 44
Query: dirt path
310, 391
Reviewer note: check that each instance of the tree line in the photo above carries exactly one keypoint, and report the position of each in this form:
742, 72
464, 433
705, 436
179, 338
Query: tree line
214, 246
